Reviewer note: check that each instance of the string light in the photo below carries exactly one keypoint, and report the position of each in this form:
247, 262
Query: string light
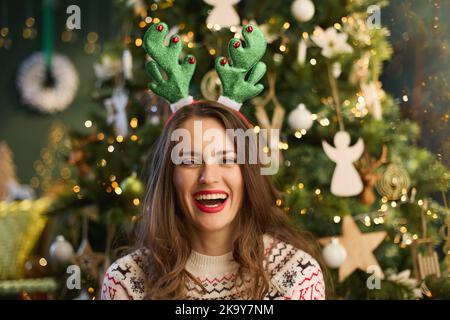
119, 139
313, 61
88, 123
138, 42
136, 201
111, 149
76, 189
337, 219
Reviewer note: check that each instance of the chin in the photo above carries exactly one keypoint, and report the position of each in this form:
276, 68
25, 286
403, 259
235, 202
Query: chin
211, 223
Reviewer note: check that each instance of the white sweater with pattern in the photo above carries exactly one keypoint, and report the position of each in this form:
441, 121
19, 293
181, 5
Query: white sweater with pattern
294, 275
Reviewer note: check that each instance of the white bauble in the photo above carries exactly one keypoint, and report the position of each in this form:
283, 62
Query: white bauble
334, 254
61, 251
303, 10
300, 118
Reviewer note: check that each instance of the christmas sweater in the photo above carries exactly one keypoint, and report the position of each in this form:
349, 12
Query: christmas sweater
293, 274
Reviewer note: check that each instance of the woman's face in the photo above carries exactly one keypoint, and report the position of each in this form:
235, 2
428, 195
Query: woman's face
209, 182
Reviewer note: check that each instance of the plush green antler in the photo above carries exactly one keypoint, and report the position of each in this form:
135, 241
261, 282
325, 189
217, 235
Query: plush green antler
176, 88
245, 55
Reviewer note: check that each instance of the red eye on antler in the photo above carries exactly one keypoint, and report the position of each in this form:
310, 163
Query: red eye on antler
160, 28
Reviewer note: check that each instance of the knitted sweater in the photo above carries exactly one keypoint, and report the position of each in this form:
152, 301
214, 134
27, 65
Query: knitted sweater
294, 275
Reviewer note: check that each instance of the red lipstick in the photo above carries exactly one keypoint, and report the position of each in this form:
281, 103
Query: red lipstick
210, 209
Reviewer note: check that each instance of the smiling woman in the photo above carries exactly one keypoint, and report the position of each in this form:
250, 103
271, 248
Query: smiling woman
210, 228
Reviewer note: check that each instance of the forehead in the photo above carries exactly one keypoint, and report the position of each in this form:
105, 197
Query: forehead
204, 131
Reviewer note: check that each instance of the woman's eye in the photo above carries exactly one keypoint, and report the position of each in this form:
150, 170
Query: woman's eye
190, 162
229, 160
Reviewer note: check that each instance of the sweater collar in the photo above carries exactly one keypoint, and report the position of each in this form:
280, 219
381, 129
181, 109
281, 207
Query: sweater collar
201, 265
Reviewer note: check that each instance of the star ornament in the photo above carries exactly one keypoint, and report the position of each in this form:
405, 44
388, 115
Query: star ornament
359, 247
331, 42
88, 260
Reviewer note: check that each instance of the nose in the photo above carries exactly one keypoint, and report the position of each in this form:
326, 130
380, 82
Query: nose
209, 174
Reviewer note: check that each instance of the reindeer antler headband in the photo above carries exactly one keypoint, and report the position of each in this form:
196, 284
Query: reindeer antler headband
239, 75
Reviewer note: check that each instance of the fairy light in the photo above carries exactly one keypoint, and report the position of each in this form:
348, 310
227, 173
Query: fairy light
324, 122
136, 201
282, 48
142, 24
217, 27
303, 131
119, 139
148, 20
384, 199
393, 204
420, 202
138, 42
278, 202
286, 25
337, 26
43, 262
313, 61
256, 129
317, 191
154, 7
383, 208
305, 35
337, 219
76, 189
134, 137
101, 136
103, 163
88, 123
233, 29
298, 134
114, 184
405, 98
111, 149
118, 191
314, 116
157, 20
301, 185
112, 178
303, 211
403, 229
212, 51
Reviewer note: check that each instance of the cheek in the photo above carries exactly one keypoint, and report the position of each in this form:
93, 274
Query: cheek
182, 181
237, 184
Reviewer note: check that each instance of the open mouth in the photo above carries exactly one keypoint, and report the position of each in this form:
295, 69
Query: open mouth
210, 201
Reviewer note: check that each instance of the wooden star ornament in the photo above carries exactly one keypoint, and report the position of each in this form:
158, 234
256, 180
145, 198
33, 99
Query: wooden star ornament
359, 247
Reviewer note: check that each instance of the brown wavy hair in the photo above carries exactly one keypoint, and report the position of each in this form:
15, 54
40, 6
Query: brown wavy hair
163, 228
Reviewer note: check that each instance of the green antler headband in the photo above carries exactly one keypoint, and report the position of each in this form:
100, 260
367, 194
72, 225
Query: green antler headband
239, 75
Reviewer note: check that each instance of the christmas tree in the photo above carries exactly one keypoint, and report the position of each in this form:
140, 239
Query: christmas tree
351, 171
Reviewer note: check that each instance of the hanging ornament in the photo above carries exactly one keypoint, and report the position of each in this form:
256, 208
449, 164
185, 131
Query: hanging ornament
48, 90
373, 94
334, 254
222, 15
300, 118
116, 111
303, 10
369, 175
336, 69
211, 86
61, 251
393, 183
346, 181
301, 52
132, 187
127, 64
359, 247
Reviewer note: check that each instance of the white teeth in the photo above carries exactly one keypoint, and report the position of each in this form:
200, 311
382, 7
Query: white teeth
211, 196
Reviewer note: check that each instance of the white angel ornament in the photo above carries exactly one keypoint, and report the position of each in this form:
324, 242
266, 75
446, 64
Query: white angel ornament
346, 181
223, 14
